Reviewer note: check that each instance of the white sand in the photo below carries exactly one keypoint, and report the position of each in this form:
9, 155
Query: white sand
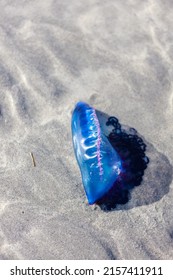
118, 57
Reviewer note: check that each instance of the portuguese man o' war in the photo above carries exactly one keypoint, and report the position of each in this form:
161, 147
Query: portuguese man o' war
99, 163
106, 155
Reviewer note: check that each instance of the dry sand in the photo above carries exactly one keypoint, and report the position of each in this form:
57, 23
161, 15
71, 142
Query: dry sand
117, 56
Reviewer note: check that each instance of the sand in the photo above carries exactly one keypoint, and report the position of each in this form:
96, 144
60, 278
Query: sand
117, 56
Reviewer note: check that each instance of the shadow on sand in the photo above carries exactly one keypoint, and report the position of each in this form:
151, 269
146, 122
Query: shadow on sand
132, 150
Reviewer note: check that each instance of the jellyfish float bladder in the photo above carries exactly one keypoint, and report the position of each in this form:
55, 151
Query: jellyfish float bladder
106, 157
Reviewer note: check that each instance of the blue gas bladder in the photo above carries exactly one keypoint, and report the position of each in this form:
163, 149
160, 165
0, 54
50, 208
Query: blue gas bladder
99, 162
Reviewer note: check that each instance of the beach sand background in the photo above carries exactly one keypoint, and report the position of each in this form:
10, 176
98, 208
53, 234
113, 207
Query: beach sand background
118, 57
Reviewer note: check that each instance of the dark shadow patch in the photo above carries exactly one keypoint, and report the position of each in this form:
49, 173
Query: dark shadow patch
1, 112
20, 100
132, 151
59, 90
23, 104
157, 179
7, 79
93, 97
110, 254
171, 234
151, 255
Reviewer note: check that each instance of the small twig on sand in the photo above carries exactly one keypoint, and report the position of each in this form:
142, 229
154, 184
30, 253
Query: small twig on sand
33, 159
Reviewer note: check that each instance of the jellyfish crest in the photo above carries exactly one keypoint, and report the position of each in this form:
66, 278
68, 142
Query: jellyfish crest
99, 163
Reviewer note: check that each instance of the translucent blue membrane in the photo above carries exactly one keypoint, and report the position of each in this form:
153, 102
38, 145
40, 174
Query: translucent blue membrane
99, 163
